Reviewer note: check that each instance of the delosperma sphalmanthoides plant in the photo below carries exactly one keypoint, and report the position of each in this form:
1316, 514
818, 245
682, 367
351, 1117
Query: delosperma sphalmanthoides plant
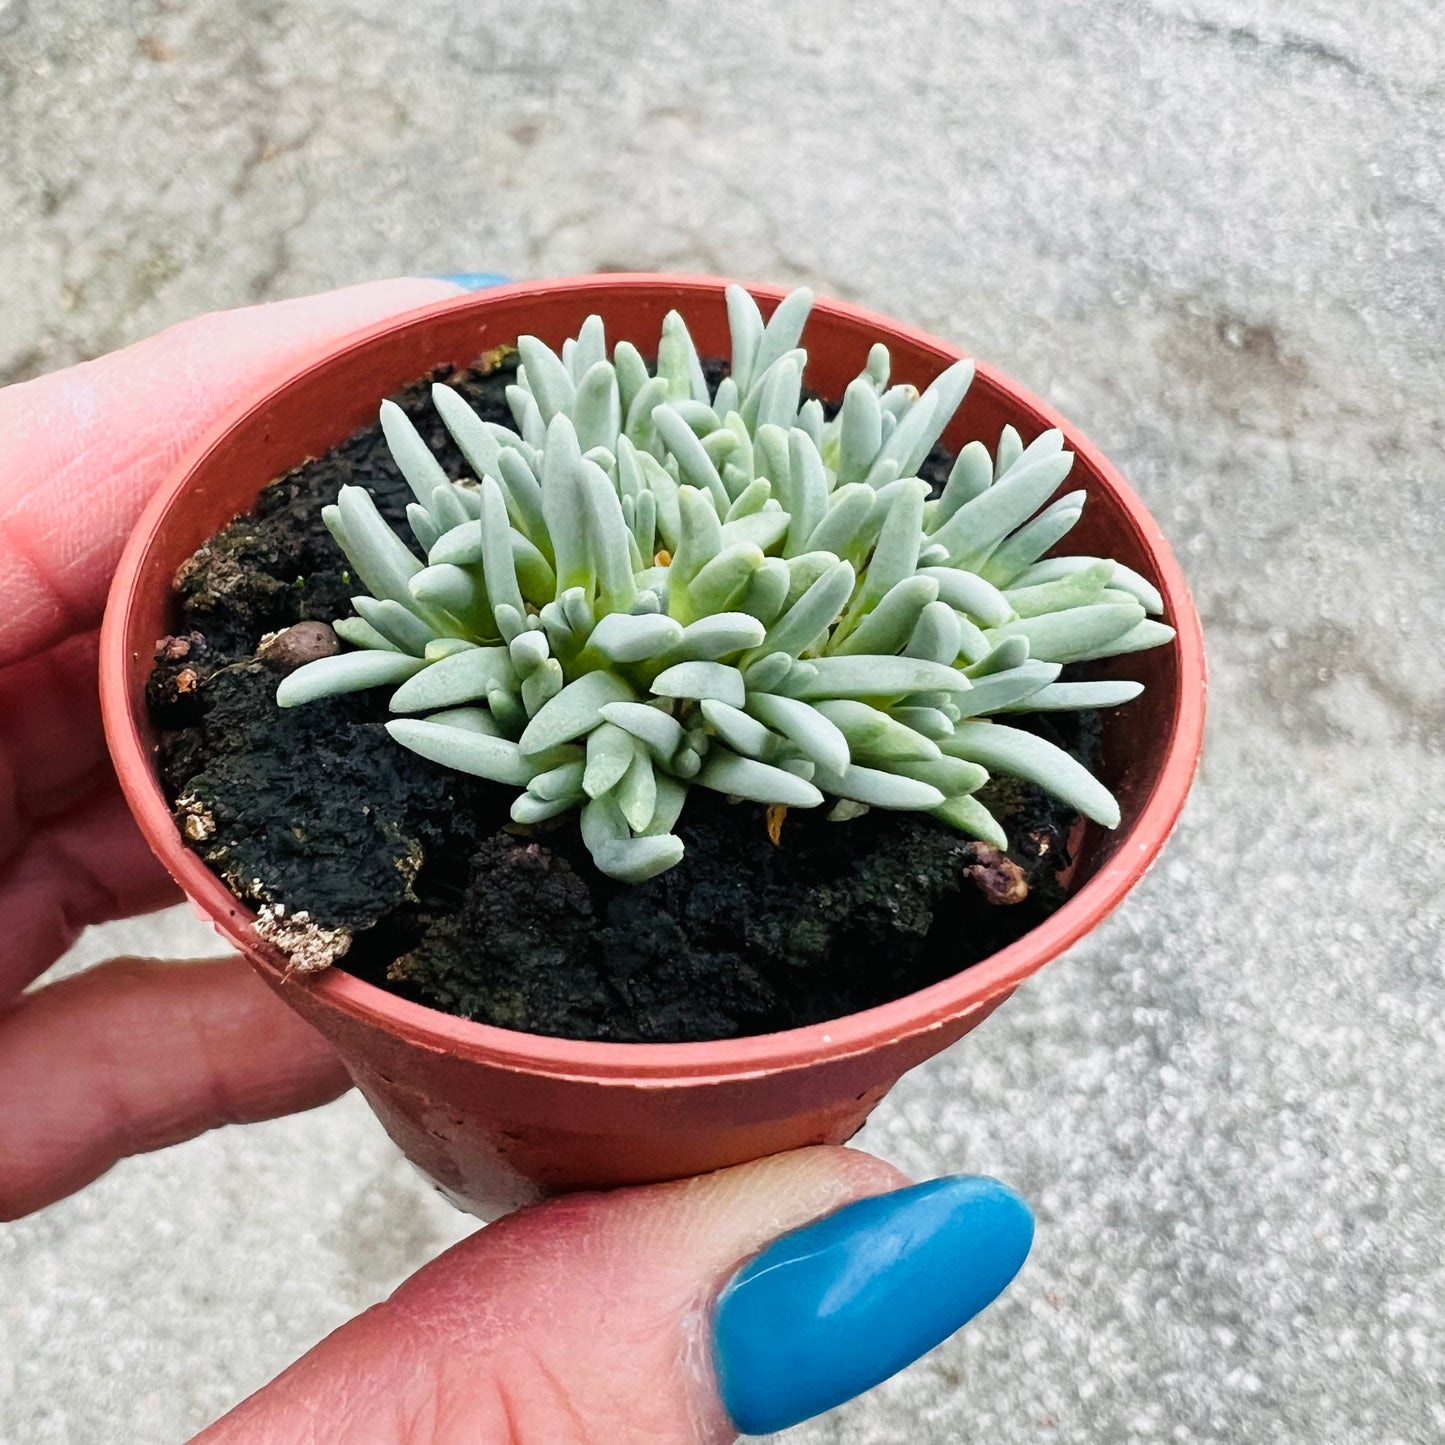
652, 585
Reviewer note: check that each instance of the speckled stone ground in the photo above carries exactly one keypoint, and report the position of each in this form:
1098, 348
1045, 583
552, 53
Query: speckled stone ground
1210, 231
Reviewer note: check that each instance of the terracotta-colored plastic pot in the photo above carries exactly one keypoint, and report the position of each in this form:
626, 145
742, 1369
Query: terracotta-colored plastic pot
494, 1117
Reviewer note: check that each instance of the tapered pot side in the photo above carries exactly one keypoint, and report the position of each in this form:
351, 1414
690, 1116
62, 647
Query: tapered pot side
495, 1117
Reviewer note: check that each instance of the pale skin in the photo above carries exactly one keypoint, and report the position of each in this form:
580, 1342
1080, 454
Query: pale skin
498, 1340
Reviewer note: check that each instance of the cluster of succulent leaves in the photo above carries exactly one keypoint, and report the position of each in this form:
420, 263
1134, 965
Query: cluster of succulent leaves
651, 585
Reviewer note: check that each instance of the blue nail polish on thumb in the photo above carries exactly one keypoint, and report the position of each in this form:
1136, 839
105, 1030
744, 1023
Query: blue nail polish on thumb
835, 1308
475, 280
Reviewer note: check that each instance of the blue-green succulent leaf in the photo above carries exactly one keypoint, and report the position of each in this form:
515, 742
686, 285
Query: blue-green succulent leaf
399, 625
970, 816
558, 784
783, 331
548, 380
699, 680
766, 591
977, 527
928, 722
1073, 588
694, 464
719, 585
528, 808
563, 509
743, 734
1014, 556
745, 322
632, 373
1078, 634
597, 414
608, 539
465, 752
1010, 449
414, 458
1000, 690
1139, 638
937, 635
971, 476
360, 633
591, 346
610, 751
806, 727
1123, 578
462, 677
779, 394
1011, 750
381, 559
671, 795
454, 590
761, 529
620, 637
637, 791
346, 672
806, 621
635, 860
423, 528
753, 498
876, 736
867, 677
446, 647
662, 732
740, 777
475, 442
459, 547
953, 777
469, 719
1070, 696
575, 711
861, 431
677, 360
718, 636
842, 528
888, 627
879, 789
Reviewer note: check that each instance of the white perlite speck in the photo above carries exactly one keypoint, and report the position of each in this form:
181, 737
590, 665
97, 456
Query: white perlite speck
309, 947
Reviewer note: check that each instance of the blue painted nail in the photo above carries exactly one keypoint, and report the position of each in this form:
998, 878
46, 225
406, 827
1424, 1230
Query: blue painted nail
475, 280
835, 1308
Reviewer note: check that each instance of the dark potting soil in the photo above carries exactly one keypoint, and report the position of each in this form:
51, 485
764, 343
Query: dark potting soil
445, 902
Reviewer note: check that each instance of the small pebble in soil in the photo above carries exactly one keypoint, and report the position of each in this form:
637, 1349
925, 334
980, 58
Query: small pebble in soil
297, 645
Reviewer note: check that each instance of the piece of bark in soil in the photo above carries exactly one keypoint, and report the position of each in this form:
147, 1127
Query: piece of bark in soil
173, 689
997, 877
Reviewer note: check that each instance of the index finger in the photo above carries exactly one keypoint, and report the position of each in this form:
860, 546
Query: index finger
82, 450
138, 1054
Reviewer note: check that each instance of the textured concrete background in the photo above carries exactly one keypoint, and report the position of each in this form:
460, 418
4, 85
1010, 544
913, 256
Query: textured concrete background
1211, 232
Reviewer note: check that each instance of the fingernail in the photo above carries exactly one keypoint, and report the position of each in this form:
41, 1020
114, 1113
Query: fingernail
475, 280
835, 1308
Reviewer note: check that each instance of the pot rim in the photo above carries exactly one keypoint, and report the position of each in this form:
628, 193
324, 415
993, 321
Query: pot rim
658, 1064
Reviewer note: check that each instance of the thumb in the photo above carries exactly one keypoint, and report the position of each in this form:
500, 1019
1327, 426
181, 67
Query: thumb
626, 1318
82, 450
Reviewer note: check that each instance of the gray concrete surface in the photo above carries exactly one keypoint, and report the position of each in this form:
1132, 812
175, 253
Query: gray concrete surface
1208, 230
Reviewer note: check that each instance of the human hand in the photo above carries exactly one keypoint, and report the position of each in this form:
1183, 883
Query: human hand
591, 1318
133, 1055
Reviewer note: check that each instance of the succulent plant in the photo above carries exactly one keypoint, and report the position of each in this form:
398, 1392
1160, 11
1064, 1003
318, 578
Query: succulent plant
653, 585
